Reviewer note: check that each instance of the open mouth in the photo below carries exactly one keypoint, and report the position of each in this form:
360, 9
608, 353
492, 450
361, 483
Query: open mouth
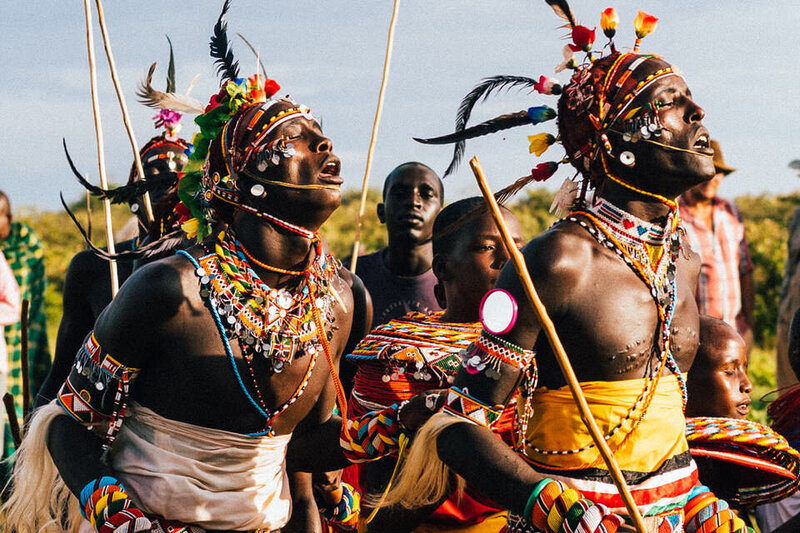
330, 172
703, 144
743, 408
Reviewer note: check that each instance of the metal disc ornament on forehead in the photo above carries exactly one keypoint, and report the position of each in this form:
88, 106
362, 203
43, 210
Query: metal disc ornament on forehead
498, 311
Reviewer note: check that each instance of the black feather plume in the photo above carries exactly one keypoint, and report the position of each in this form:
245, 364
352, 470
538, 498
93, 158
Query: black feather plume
503, 122
227, 66
171, 69
126, 193
482, 91
170, 241
561, 7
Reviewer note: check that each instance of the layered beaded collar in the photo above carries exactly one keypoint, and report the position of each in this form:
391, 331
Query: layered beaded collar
273, 323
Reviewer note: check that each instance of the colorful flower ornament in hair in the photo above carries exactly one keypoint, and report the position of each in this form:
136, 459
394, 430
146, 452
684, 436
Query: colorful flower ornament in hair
579, 95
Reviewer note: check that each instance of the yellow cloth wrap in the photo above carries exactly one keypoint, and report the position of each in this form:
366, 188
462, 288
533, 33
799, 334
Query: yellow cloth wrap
556, 425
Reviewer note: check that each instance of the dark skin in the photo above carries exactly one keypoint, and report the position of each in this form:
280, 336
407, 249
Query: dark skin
412, 197
718, 384
162, 300
469, 269
87, 290
602, 335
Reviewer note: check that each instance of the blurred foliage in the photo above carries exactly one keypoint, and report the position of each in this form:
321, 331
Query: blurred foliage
766, 220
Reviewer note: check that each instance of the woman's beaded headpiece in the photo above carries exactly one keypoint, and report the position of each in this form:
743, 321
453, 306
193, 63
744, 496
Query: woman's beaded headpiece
233, 129
597, 100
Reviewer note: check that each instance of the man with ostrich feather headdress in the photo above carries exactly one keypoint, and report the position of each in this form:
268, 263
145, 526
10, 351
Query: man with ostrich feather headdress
617, 281
178, 410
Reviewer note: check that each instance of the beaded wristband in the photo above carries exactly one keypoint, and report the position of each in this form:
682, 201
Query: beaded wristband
372, 435
528, 512
109, 510
345, 513
94, 485
459, 403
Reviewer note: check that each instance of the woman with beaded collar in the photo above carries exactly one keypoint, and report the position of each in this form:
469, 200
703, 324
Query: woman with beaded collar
617, 281
209, 361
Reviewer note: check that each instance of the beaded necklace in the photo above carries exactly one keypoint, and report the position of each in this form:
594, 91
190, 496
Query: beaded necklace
652, 253
639, 244
274, 323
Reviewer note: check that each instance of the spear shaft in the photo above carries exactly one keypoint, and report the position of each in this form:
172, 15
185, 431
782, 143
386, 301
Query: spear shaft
387, 60
101, 162
125, 118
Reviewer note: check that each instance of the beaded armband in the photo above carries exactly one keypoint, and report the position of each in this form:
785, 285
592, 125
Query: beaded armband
488, 351
97, 388
344, 514
459, 403
105, 504
372, 435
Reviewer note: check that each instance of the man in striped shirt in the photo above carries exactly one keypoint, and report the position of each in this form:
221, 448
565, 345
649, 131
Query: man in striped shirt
716, 232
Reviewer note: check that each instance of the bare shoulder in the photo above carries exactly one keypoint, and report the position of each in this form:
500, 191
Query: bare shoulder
146, 303
564, 251
689, 260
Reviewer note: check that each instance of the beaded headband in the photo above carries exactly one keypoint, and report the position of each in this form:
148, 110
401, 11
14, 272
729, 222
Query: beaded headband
597, 100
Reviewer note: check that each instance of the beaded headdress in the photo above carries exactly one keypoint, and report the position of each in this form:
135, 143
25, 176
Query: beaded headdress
596, 102
233, 141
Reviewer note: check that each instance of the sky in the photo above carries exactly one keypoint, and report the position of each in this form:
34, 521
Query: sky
736, 56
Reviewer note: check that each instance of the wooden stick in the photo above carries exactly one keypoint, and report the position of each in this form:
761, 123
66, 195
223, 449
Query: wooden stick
23, 359
148, 206
558, 349
13, 423
101, 162
387, 60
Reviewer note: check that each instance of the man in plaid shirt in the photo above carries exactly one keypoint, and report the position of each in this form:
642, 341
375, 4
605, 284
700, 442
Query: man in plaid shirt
23, 251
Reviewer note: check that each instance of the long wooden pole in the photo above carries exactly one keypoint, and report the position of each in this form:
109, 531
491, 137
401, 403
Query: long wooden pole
23, 359
387, 59
101, 162
148, 206
558, 349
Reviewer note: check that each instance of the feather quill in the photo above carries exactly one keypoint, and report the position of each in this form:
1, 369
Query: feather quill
182, 103
171, 69
482, 91
503, 122
227, 66
168, 242
126, 193
255, 53
562, 9
503, 195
